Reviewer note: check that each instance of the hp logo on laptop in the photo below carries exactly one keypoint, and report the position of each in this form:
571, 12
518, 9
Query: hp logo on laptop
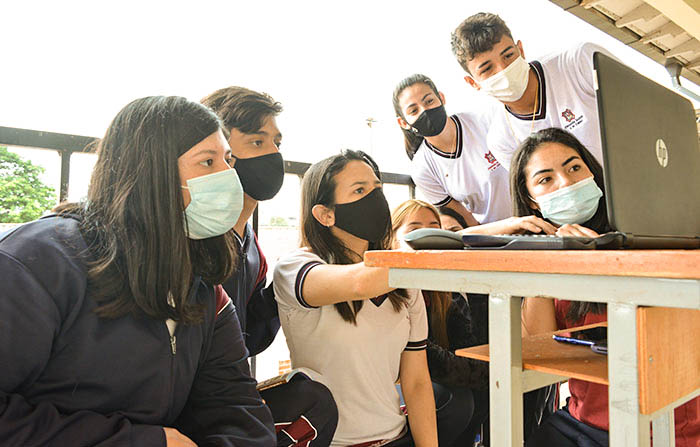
661, 153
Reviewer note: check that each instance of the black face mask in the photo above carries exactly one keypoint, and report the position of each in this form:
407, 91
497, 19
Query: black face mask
431, 122
261, 177
367, 218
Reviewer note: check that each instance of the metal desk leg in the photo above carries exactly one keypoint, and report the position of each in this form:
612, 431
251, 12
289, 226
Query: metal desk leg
628, 428
505, 371
664, 430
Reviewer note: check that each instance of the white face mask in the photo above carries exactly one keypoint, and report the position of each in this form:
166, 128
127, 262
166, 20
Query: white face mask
509, 84
574, 204
215, 206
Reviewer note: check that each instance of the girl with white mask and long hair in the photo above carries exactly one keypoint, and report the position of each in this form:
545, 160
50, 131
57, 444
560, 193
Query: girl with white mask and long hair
554, 176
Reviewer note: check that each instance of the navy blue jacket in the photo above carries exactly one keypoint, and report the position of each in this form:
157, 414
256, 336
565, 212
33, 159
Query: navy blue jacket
69, 377
255, 304
445, 366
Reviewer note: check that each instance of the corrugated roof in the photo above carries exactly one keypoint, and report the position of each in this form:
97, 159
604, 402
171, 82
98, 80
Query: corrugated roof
659, 29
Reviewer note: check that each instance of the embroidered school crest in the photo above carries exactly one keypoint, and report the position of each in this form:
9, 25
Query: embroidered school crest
572, 121
493, 163
568, 115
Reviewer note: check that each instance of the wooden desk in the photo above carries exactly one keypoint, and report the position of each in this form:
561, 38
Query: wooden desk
541, 353
622, 279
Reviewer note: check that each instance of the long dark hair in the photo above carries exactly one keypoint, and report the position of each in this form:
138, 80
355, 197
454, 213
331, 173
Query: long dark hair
412, 140
522, 200
439, 301
318, 188
133, 220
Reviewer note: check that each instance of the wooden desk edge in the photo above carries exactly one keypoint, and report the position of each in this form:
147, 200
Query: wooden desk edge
671, 264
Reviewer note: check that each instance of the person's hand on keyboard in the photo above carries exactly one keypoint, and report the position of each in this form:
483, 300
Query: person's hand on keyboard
575, 230
513, 225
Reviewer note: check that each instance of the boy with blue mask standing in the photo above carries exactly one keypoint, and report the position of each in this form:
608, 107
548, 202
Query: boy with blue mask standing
554, 91
304, 411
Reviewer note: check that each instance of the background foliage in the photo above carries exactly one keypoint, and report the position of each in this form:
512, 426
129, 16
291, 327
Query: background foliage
23, 196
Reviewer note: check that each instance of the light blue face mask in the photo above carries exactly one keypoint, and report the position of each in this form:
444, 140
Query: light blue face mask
573, 204
216, 205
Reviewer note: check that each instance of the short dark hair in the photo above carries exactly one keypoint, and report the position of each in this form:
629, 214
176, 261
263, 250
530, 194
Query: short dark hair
242, 109
477, 34
412, 141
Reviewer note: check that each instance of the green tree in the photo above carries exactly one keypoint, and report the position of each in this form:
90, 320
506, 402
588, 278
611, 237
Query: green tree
23, 197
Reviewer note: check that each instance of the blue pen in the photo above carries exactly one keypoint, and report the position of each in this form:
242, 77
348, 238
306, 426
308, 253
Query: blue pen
574, 341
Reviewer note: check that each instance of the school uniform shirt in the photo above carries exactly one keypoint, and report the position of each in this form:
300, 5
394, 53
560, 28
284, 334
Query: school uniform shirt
566, 99
358, 363
471, 175
71, 378
589, 401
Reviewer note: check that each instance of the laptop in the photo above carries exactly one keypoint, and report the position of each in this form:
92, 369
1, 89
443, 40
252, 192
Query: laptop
651, 167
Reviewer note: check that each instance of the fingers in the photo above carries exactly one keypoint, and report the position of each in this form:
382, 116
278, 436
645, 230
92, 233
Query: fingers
526, 226
575, 230
541, 225
587, 231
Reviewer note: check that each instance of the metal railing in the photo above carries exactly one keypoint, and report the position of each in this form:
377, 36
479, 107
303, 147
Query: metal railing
66, 145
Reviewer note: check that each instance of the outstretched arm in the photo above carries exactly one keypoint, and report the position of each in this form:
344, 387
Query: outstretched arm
330, 284
513, 225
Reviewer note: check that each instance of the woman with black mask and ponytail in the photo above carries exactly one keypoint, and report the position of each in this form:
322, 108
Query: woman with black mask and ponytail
451, 163
343, 321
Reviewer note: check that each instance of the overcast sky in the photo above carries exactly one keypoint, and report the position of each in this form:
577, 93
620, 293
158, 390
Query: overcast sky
69, 66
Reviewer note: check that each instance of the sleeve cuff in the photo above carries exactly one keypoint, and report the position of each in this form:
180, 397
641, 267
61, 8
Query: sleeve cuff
301, 276
443, 202
416, 345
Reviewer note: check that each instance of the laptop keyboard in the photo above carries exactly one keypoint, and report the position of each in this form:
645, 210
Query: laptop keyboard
529, 242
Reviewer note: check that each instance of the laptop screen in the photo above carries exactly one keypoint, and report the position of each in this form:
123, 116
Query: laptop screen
651, 155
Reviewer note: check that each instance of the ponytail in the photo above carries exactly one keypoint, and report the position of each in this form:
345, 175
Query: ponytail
412, 141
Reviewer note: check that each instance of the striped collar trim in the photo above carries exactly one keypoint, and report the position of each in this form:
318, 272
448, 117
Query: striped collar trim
458, 152
541, 112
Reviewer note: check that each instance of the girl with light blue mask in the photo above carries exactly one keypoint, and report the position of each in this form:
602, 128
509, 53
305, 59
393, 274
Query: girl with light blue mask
555, 177
128, 282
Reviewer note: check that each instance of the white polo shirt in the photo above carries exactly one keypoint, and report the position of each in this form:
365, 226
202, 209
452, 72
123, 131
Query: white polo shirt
358, 363
566, 99
471, 175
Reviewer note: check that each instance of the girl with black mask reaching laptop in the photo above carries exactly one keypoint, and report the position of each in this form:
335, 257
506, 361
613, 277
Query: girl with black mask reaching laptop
344, 322
553, 176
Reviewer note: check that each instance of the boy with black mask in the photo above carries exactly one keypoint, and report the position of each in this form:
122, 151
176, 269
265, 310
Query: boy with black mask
304, 411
